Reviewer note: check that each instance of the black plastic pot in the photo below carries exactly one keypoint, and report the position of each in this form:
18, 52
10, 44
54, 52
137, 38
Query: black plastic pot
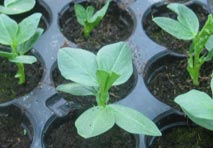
178, 131
43, 105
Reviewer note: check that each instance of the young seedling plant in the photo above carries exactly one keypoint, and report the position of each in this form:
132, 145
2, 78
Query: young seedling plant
87, 18
20, 38
186, 27
198, 106
12, 7
95, 75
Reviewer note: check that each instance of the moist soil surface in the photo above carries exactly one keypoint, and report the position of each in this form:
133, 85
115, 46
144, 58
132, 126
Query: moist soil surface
184, 137
116, 92
172, 79
9, 87
117, 25
163, 38
12, 130
66, 136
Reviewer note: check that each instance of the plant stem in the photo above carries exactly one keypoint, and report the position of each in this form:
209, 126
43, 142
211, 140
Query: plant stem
20, 74
102, 98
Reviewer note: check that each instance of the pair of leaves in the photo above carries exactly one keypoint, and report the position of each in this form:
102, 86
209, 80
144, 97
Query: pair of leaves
16, 6
185, 27
81, 66
98, 120
198, 106
20, 37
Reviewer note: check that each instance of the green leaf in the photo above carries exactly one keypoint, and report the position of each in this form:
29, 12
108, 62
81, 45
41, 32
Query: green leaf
78, 65
80, 13
106, 79
185, 27
186, 17
208, 124
25, 59
209, 43
95, 121
90, 11
116, 58
28, 45
77, 89
98, 16
6, 54
27, 28
197, 103
8, 29
134, 121
16, 6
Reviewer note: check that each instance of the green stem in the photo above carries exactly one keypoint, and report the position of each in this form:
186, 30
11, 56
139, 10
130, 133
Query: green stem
102, 99
20, 73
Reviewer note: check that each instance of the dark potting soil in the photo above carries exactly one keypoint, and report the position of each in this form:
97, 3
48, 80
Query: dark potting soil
116, 92
13, 133
163, 38
172, 79
9, 87
184, 137
117, 25
66, 136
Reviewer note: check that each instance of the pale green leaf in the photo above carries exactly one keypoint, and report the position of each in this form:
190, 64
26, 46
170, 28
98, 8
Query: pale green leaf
80, 13
106, 79
8, 29
95, 121
186, 17
134, 121
28, 45
78, 65
16, 6
100, 13
174, 28
197, 103
27, 28
209, 43
90, 11
116, 58
77, 89
25, 59
208, 124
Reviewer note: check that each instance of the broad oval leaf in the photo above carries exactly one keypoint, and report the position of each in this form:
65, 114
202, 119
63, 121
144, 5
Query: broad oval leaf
17, 6
116, 58
8, 29
25, 59
28, 45
77, 89
80, 13
186, 17
208, 124
27, 28
95, 121
78, 65
174, 28
209, 43
99, 14
197, 103
134, 121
